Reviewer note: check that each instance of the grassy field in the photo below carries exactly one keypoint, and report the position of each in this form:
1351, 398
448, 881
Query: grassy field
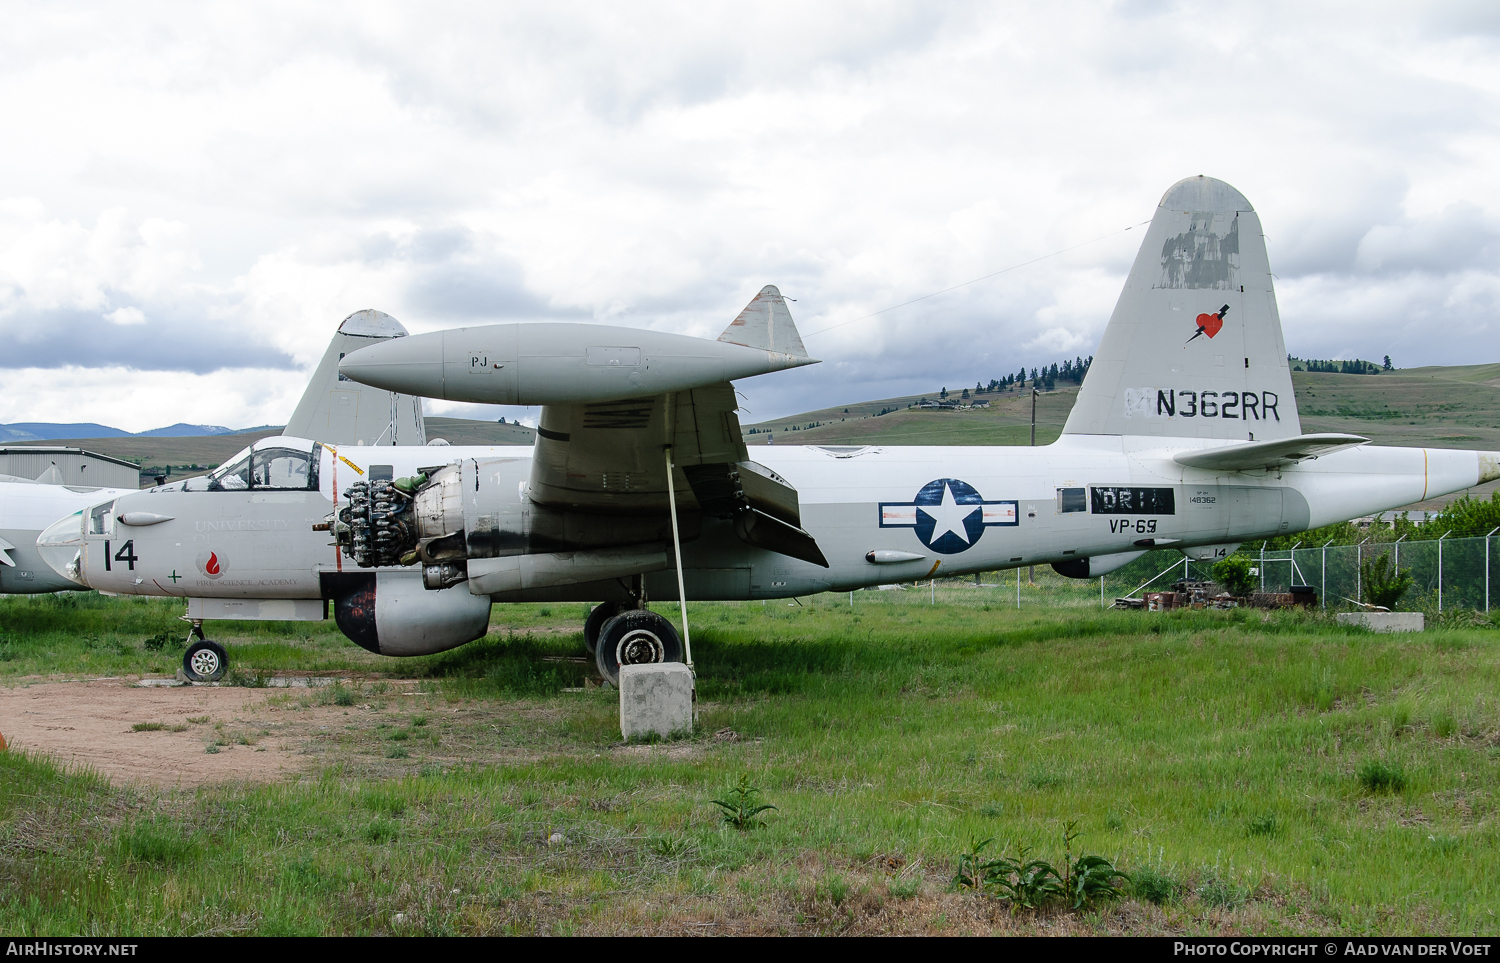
1256, 773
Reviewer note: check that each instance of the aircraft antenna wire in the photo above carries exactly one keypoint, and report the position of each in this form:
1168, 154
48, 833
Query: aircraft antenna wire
994, 274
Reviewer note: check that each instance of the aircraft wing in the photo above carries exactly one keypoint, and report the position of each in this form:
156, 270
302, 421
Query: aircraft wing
1251, 455
611, 458
5, 549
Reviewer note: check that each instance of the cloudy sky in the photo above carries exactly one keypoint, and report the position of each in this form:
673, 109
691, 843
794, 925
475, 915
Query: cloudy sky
193, 196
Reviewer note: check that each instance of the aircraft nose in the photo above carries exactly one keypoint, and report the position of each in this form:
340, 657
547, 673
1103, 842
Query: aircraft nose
60, 545
412, 365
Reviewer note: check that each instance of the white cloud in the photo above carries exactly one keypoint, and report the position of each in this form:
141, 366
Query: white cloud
126, 316
233, 181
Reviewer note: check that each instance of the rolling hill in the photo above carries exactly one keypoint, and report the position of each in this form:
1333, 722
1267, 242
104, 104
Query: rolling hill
1436, 407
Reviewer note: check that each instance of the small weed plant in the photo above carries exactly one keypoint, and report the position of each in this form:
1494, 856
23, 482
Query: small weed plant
1029, 883
740, 809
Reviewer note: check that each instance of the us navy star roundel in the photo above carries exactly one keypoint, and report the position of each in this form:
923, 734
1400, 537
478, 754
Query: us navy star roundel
948, 515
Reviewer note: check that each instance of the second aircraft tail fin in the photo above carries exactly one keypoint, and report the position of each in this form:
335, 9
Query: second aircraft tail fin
338, 411
1194, 347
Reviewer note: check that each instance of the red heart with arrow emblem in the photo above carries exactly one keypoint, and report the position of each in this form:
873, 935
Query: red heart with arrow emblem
1210, 324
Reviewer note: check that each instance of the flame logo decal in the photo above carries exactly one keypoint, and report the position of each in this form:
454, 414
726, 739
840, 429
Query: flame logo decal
210, 564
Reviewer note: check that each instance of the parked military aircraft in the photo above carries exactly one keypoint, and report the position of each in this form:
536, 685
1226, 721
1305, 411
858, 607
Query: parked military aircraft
1185, 435
332, 408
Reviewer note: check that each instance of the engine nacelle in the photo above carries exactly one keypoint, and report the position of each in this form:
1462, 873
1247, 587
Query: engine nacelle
443, 517
390, 613
1095, 565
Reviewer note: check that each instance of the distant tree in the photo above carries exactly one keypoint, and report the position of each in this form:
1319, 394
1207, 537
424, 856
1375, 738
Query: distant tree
1033, 376
1468, 517
1388, 365
943, 393
966, 392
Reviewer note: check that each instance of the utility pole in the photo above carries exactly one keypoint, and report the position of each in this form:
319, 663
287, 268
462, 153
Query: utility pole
1034, 393
1031, 571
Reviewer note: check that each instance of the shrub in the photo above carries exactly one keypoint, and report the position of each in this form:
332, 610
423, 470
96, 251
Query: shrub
1383, 585
1234, 574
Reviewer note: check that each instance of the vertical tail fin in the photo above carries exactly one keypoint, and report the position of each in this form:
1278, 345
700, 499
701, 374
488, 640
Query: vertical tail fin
336, 410
766, 324
1194, 347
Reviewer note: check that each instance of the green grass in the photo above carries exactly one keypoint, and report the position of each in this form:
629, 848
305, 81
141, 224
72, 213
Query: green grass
1226, 760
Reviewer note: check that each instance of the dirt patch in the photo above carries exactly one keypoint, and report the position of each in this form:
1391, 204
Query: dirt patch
182, 737
90, 724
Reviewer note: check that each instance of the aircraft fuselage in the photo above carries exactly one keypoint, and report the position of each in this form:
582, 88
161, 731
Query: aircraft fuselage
934, 511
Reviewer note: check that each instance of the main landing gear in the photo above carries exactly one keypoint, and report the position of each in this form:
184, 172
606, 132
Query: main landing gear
205, 659
618, 635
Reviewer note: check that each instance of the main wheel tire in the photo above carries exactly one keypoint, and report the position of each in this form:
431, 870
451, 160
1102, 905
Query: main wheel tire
636, 637
602, 613
205, 661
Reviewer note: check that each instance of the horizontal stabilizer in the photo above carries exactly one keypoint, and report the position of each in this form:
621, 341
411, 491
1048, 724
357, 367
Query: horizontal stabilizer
5, 549
766, 324
1268, 454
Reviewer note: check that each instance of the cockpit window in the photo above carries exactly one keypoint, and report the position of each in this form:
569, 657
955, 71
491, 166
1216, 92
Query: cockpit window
285, 469
273, 468
102, 519
234, 477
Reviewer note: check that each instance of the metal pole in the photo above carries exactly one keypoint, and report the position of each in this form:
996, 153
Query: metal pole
687, 639
1359, 569
1397, 566
1487, 567
1101, 589
1034, 394
1018, 588
1263, 568
1440, 567
1325, 572
934, 591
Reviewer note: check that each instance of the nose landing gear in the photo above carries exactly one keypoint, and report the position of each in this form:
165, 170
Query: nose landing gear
205, 659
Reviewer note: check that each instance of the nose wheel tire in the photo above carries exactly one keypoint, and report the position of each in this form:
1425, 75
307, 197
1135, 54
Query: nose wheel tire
636, 637
602, 613
205, 661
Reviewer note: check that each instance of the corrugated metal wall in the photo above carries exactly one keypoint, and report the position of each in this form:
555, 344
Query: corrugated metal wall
77, 468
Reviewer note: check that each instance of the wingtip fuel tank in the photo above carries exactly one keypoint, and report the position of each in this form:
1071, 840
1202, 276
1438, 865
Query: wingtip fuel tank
554, 363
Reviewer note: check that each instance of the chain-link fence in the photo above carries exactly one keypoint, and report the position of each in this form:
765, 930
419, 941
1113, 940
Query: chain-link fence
1447, 573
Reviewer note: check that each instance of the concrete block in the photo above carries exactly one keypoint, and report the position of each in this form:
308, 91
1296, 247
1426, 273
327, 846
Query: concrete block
1386, 621
656, 700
